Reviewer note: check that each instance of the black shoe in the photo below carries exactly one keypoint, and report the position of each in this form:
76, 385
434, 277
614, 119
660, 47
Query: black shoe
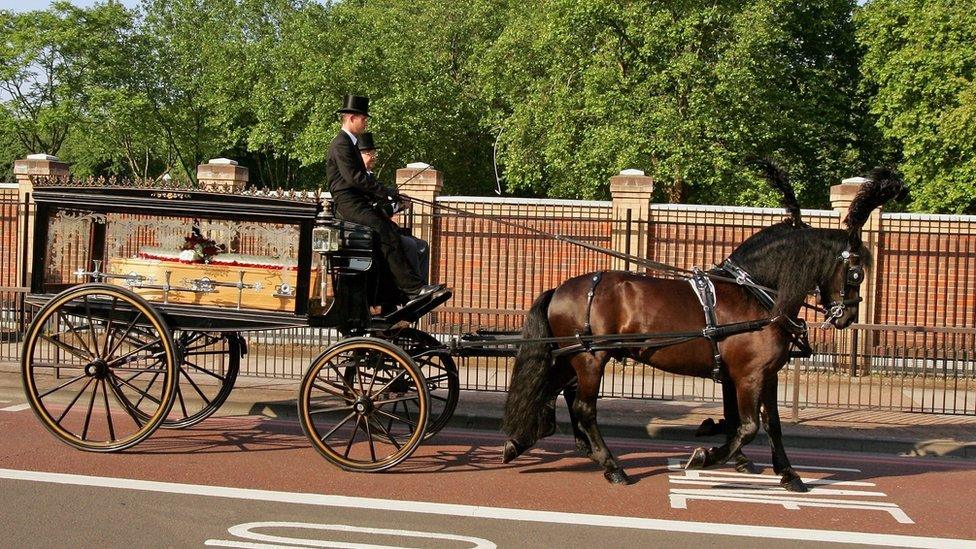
423, 291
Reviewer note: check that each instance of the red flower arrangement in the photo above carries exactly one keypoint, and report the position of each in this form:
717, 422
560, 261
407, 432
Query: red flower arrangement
198, 248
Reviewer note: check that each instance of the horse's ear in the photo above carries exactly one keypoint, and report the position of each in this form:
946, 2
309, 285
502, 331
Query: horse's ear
883, 184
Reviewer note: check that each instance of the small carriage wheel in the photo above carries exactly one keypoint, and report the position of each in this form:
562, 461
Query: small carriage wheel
440, 373
357, 421
209, 363
92, 355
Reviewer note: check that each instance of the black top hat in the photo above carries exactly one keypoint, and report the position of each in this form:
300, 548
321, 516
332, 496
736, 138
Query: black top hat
365, 142
354, 104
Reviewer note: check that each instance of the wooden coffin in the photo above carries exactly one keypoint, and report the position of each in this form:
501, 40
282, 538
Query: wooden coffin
274, 283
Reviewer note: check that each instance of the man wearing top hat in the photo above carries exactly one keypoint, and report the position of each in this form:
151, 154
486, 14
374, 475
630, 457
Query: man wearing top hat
354, 191
416, 249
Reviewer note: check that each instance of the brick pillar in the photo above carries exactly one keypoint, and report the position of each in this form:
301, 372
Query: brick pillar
420, 181
36, 165
224, 174
631, 193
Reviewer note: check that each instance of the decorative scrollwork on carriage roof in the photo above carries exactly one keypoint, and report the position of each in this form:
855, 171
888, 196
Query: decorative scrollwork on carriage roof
175, 188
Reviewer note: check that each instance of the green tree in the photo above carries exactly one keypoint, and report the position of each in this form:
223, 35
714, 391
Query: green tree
686, 91
920, 63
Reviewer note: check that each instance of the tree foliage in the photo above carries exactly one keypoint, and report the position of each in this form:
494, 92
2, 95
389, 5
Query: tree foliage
920, 61
566, 93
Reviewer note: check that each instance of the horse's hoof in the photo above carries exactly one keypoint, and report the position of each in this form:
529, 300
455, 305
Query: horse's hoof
698, 459
792, 483
617, 477
511, 451
747, 466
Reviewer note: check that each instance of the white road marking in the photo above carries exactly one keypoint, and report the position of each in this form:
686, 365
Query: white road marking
497, 513
16, 408
755, 488
244, 531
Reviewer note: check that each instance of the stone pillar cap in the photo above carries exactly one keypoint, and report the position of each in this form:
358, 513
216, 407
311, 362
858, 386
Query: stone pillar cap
222, 161
631, 171
418, 165
42, 156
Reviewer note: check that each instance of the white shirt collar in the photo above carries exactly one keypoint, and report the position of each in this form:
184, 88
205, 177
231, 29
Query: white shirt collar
351, 136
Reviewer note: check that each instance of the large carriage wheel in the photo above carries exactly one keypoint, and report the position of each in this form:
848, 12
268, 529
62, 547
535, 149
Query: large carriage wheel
440, 373
209, 363
99, 367
351, 405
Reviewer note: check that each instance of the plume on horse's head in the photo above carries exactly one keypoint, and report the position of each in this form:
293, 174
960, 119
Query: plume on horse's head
779, 180
882, 185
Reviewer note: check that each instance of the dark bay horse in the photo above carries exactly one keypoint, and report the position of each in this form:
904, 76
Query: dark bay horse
792, 260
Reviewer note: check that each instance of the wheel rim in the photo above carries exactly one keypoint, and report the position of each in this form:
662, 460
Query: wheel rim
93, 357
357, 421
440, 373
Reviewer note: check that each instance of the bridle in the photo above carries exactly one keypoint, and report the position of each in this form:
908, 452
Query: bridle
853, 277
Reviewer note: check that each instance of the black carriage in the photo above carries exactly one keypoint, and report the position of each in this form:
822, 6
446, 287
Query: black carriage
142, 295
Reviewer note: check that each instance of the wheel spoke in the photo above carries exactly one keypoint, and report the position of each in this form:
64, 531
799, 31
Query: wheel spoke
179, 396
108, 411
355, 432
117, 393
72, 403
387, 434
397, 418
333, 392
145, 394
128, 328
78, 353
369, 439
108, 326
134, 351
72, 329
197, 388
204, 370
62, 386
91, 323
333, 430
342, 378
332, 409
91, 405
392, 400
391, 382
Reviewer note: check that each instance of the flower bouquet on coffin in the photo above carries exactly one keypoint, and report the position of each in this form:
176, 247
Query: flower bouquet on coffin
199, 249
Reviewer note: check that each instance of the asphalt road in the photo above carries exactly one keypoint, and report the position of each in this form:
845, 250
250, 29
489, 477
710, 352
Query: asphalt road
255, 482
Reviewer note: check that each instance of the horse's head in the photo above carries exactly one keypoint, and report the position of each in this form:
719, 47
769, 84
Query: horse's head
840, 292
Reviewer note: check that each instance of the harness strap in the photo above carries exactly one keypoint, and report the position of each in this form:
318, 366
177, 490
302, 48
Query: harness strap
705, 290
587, 329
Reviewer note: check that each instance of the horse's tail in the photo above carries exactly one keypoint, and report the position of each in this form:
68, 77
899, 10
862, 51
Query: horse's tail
529, 390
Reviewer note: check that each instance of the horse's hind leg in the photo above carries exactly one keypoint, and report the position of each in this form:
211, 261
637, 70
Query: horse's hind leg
582, 442
789, 479
747, 396
589, 370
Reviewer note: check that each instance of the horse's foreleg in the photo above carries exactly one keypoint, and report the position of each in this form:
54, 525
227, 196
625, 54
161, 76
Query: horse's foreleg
730, 406
582, 443
589, 370
789, 479
747, 396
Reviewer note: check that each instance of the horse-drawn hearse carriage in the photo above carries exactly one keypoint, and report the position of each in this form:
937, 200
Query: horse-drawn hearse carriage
142, 294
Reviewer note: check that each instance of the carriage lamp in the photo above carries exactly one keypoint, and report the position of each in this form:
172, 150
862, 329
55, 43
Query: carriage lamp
325, 239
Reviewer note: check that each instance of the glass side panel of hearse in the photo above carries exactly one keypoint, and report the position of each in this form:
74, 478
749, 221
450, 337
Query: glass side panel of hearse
177, 247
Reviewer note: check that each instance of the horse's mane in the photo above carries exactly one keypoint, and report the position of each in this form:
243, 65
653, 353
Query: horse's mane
795, 259
779, 180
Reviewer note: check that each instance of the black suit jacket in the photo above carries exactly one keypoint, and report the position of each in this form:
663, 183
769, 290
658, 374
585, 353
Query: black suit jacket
346, 172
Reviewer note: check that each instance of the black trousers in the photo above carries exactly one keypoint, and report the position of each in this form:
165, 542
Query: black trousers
358, 210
